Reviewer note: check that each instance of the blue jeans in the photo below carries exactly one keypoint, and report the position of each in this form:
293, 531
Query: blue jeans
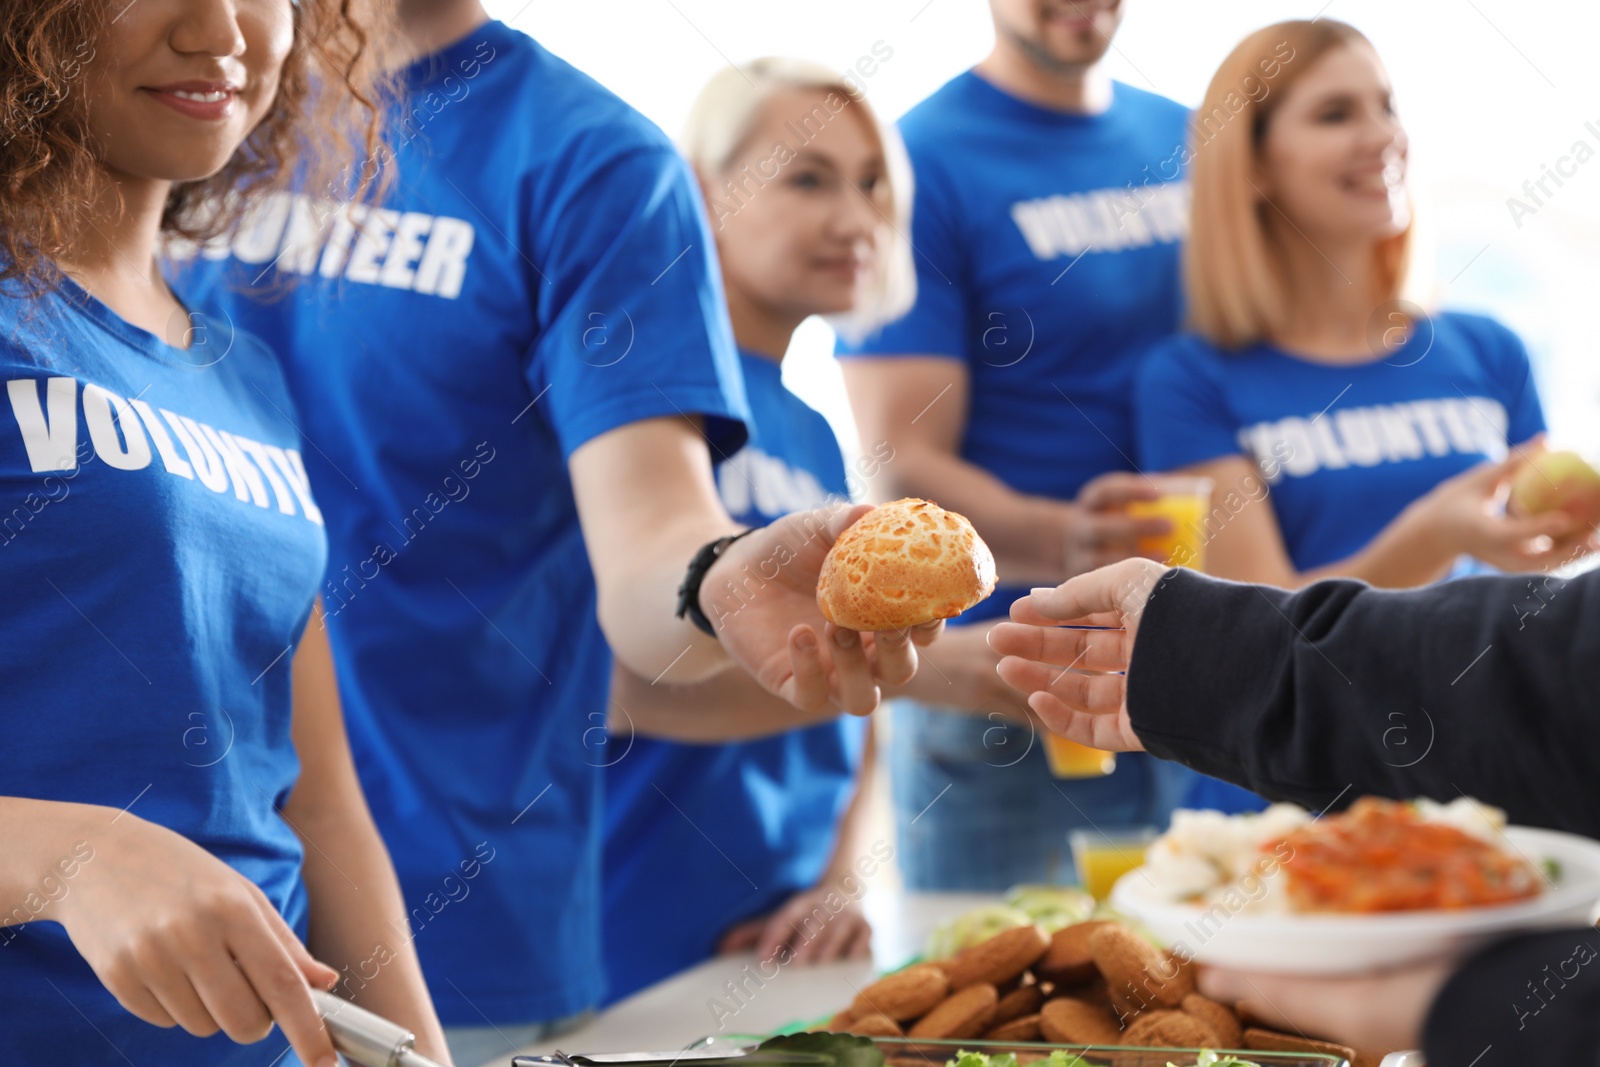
976, 807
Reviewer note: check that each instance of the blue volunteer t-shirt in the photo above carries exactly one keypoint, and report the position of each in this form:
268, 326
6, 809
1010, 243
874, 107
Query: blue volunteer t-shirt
1047, 259
1344, 448
540, 275
756, 821
159, 551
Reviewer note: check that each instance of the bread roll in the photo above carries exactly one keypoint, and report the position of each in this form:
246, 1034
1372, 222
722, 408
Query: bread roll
903, 564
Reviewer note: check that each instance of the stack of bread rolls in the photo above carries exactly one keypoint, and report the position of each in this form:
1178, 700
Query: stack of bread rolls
1091, 983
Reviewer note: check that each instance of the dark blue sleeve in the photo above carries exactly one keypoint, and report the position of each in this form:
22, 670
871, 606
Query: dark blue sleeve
633, 324
1340, 690
937, 324
1531, 999
1180, 412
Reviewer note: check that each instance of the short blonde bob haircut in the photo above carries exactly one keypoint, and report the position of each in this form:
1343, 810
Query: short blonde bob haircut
1233, 266
720, 123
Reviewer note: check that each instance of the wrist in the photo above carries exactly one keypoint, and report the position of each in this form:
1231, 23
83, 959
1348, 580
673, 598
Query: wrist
60, 839
707, 571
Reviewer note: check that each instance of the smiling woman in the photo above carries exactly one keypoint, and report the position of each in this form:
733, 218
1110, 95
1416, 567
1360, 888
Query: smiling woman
176, 585
71, 90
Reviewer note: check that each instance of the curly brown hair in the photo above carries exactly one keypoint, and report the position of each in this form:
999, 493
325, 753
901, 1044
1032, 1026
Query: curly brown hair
323, 131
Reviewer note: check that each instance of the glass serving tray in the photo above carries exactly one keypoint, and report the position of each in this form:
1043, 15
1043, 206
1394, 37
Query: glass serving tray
735, 1050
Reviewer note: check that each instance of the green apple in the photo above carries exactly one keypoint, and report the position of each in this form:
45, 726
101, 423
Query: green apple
1557, 480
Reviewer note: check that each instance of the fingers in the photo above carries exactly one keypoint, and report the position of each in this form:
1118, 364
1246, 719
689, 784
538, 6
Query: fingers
854, 688
279, 984
1098, 694
741, 938
176, 992
832, 940
1023, 611
896, 656
925, 635
1078, 649
1115, 489
1516, 531
776, 932
1110, 733
1088, 594
860, 947
316, 972
1101, 540
132, 993
229, 999
807, 686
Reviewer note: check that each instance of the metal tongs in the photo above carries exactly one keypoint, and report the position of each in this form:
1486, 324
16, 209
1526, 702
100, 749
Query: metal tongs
368, 1039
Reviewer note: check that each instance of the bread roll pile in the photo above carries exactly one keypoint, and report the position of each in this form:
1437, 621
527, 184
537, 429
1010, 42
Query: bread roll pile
1091, 983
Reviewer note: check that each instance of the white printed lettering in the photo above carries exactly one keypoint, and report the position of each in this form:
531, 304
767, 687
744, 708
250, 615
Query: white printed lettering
50, 444
372, 241
289, 463
1104, 220
246, 482
444, 261
258, 453
207, 464
170, 459
127, 451
404, 250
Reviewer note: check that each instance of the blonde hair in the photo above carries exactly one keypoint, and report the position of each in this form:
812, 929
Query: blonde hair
720, 122
1232, 267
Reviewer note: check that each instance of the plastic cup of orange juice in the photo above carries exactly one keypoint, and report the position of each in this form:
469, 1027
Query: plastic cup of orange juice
1103, 855
1068, 759
1184, 502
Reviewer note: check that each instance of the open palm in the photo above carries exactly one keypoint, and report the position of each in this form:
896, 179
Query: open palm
1068, 649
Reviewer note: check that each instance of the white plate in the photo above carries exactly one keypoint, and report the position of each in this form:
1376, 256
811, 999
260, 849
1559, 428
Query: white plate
1344, 944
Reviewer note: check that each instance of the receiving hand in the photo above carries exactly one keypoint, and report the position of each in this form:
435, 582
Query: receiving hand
1378, 1012
761, 595
807, 929
182, 939
1061, 667
1099, 531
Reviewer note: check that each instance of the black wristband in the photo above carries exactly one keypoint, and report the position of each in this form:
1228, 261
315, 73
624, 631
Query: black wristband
689, 591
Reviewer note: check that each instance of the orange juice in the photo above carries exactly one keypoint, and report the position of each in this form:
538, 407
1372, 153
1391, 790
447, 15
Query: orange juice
1068, 759
1102, 857
1184, 502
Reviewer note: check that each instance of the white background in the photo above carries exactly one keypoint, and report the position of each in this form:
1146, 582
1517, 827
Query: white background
1490, 90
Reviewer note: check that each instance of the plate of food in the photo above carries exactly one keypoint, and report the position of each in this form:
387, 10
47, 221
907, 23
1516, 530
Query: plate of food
1380, 884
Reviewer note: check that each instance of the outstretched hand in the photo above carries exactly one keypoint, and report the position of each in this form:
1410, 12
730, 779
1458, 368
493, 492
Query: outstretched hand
1066, 648
761, 596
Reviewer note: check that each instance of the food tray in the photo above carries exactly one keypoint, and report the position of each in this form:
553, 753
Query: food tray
909, 1052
